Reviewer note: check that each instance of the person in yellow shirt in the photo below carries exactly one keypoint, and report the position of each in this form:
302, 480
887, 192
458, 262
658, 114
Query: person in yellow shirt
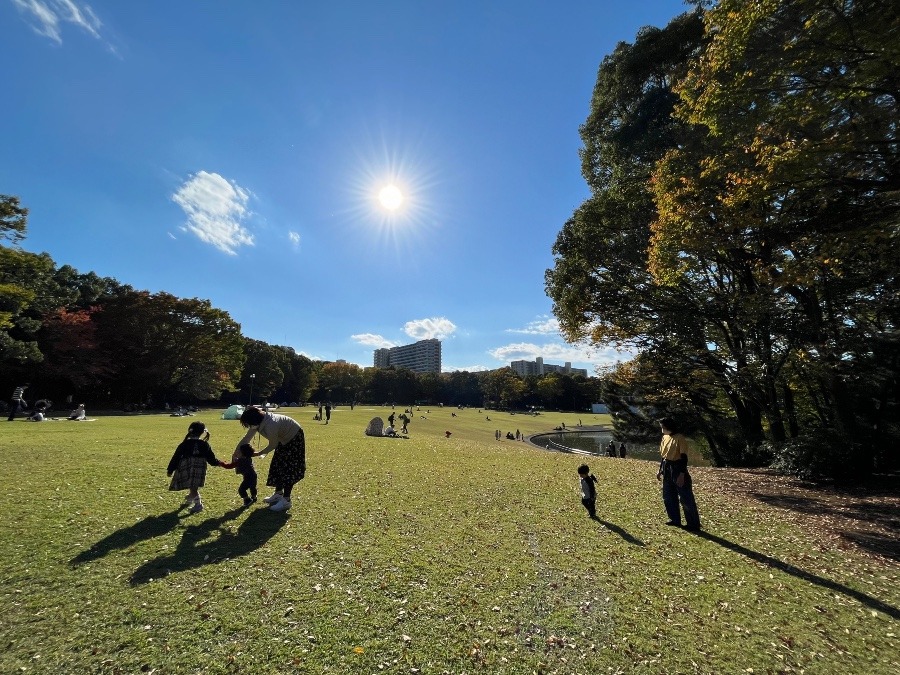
676, 481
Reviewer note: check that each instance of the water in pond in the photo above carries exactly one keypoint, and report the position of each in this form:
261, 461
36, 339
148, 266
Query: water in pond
595, 442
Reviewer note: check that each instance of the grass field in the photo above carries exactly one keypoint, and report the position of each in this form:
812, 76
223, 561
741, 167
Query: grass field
427, 555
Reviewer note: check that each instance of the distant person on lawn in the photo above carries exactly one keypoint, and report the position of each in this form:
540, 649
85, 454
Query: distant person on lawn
676, 481
17, 402
189, 463
78, 414
286, 439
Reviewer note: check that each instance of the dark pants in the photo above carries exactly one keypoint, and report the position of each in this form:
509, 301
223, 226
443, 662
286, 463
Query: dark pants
672, 494
590, 505
247, 488
14, 407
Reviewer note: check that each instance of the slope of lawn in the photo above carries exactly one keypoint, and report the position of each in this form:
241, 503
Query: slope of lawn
426, 555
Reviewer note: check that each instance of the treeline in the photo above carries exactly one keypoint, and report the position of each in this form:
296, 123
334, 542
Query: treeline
742, 232
91, 339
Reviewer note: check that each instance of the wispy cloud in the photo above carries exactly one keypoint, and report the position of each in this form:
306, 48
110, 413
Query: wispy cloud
295, 238
424, 329
47, 17
543, 325
215, 208
371, 340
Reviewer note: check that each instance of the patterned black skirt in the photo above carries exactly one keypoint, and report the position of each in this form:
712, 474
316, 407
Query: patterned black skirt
288, 462
190, 474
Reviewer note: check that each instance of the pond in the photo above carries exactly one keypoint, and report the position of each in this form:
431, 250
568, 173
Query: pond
595, 442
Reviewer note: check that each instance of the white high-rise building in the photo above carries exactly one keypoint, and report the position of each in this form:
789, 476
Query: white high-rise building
423, 356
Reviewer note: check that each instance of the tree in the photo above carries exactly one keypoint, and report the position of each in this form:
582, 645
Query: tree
344, 380
787, 211
262, 362
13, 219
74, 359
169, 347
300, 376
503, 388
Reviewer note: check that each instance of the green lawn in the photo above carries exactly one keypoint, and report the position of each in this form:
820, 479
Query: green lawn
427, 555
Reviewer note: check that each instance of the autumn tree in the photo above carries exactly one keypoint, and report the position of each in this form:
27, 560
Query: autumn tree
785, 216
169, 347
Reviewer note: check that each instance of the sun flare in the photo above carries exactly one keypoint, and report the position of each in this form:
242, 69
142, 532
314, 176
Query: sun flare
390, 197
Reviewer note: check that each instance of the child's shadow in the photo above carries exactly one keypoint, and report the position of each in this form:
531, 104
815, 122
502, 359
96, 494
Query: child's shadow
630, 538
148, 528
194, 551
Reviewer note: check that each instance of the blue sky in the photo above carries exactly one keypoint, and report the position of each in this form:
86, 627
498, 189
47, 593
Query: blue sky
235, 151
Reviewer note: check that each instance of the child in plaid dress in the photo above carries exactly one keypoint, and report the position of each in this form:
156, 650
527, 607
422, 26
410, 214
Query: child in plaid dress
188, 465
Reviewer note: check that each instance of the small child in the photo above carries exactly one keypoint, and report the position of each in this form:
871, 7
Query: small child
188, 464
244, 466
588, 491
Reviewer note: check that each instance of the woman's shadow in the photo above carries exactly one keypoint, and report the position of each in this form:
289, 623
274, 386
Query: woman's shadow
196, 548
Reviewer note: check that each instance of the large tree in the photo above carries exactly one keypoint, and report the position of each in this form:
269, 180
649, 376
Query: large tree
169, 347
787, 214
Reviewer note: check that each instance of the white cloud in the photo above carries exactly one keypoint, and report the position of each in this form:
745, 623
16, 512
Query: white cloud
215, 208
373, 341
544, 325
424, 329
295, 238
49, 15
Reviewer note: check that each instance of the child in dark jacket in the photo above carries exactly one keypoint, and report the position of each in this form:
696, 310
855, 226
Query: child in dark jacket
188, 465
588, 490
244, 466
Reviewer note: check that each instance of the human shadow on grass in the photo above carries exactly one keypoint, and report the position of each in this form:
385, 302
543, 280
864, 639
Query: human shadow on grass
630, 538
196, 549
794, 571
126, 537
876, 521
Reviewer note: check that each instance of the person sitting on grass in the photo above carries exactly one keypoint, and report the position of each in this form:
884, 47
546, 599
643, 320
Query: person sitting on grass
78, 415
188, 464
389, 431
244, 466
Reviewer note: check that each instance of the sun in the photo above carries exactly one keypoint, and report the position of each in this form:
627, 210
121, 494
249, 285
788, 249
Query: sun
390, 197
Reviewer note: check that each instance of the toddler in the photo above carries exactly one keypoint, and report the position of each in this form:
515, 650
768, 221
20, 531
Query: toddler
244, 466
588, 490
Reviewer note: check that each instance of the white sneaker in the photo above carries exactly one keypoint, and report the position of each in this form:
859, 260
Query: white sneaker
283, 505
274, 499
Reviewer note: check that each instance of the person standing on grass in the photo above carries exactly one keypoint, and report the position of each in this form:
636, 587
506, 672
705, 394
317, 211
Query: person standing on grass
189, 463
327, 412
244, 467
588, 490
676, 481
285, 437
17, 402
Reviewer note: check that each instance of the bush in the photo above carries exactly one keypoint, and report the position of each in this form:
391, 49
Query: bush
817, 455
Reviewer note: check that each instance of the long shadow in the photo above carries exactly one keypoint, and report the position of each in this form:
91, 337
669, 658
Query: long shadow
630, 538
196, 549
148, 528
867, 600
